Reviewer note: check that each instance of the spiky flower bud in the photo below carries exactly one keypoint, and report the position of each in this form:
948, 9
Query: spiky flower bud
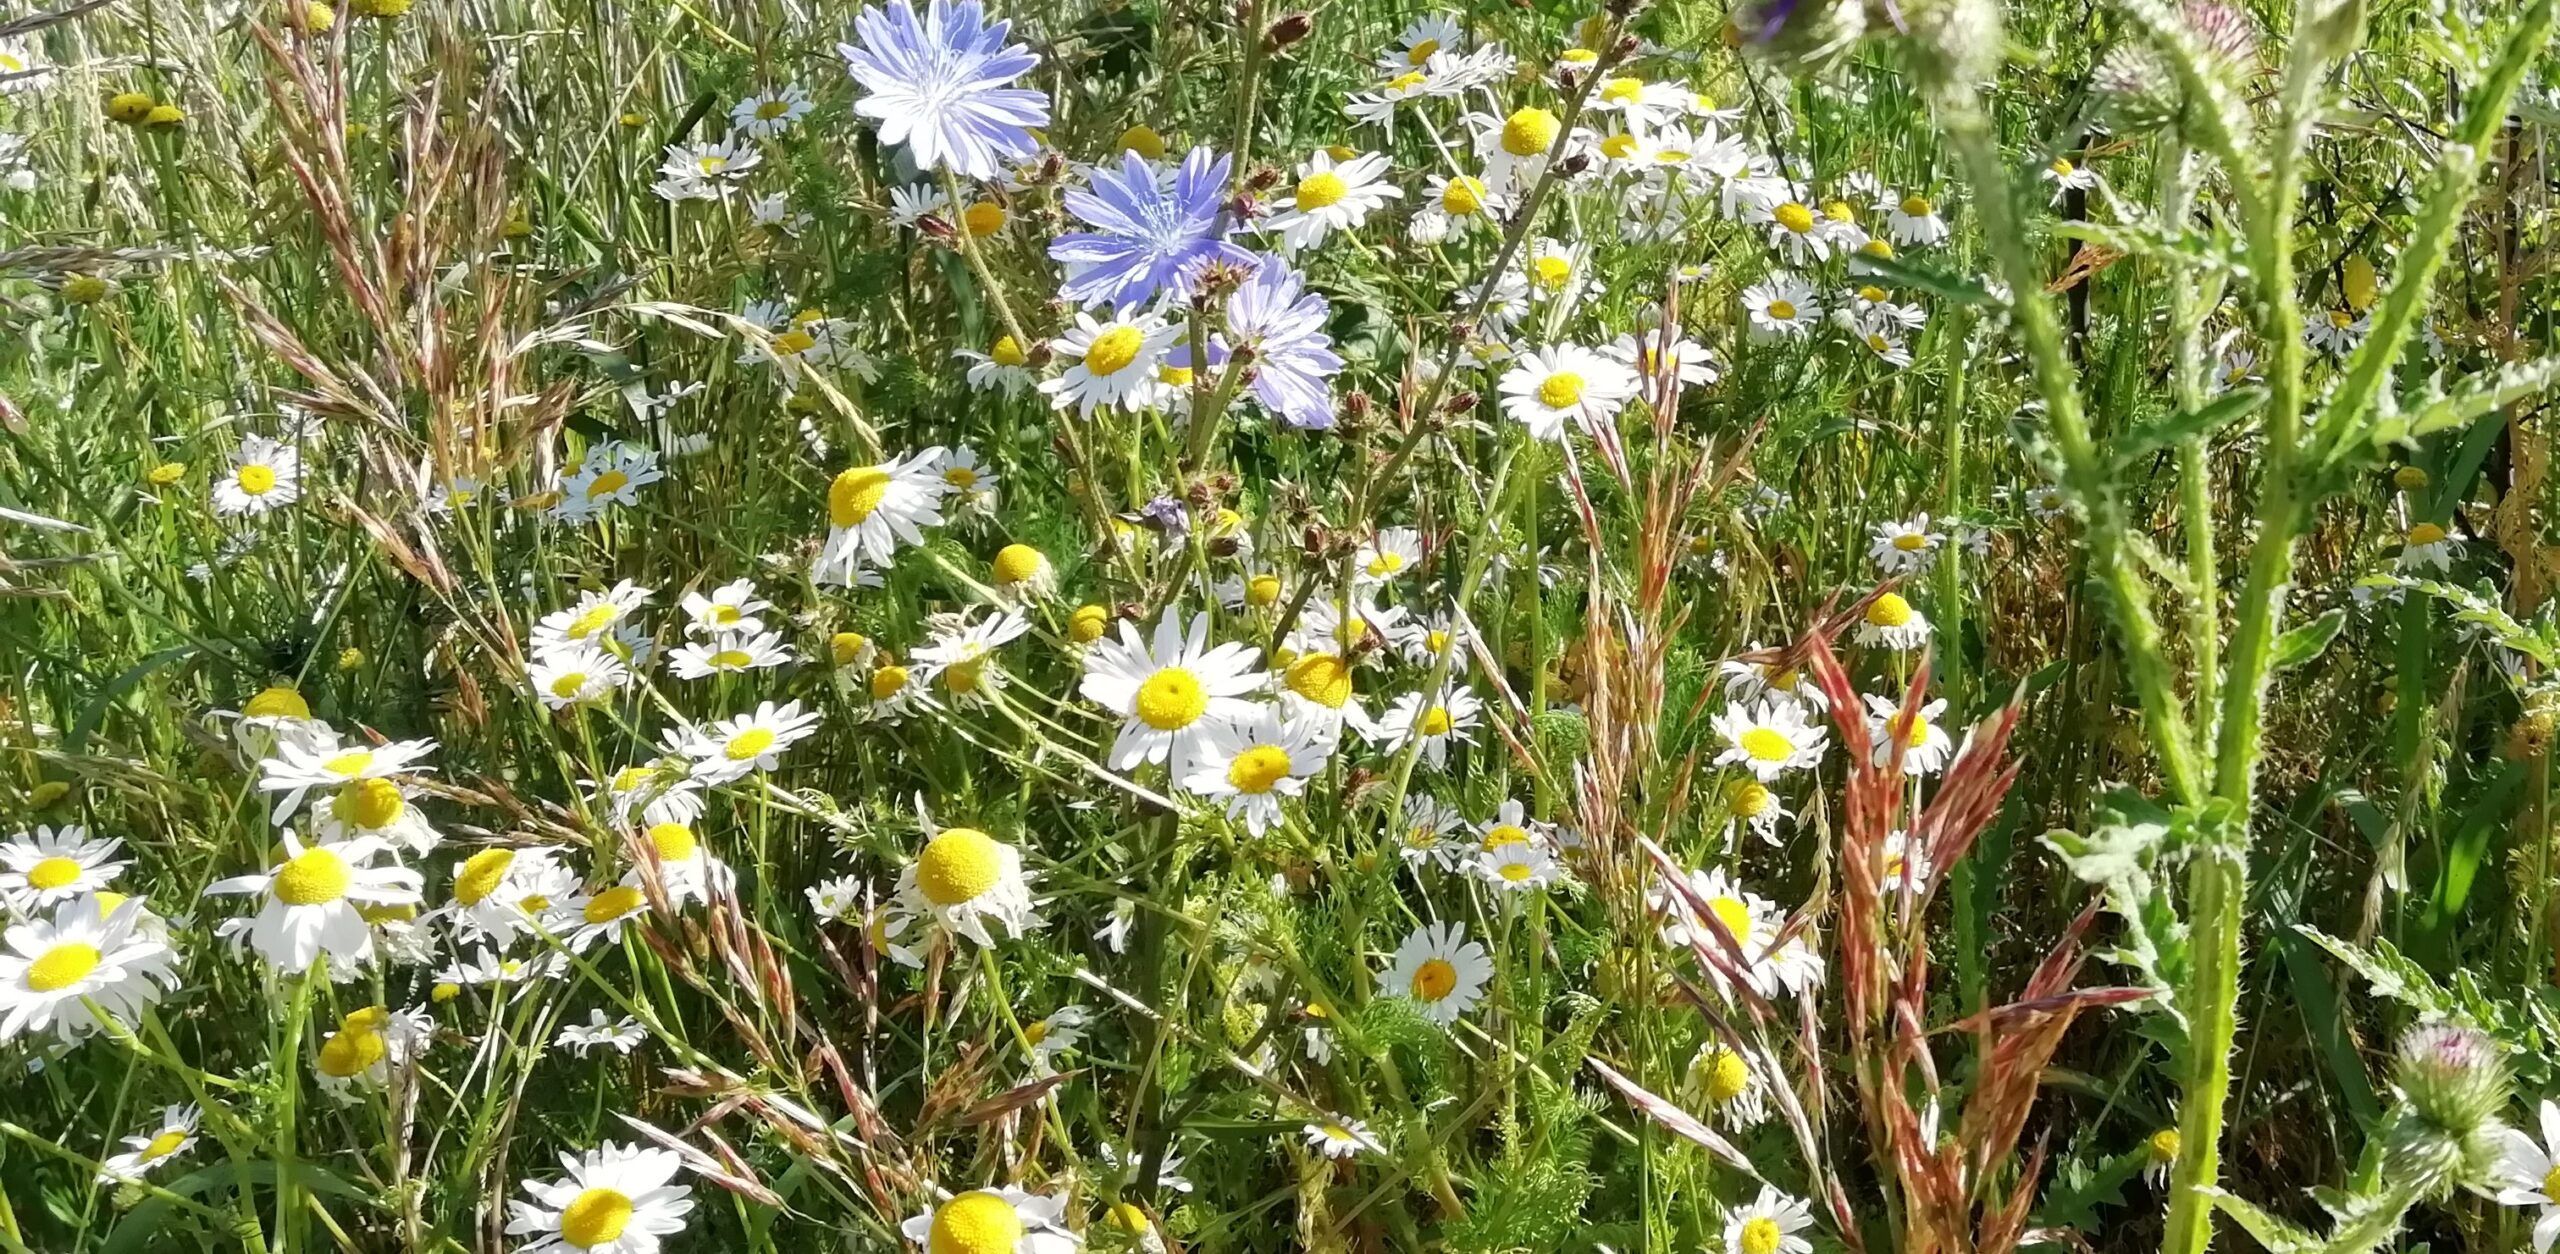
1288, 30
2225, 31
1803, 36
2456, 1078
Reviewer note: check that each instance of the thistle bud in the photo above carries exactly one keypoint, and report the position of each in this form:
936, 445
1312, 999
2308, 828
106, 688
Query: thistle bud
2453, 1081
1803, 36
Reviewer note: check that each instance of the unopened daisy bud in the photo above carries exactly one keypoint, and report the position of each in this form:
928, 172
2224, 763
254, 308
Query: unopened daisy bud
2455, 1078
1023, 571
2409, 478
1128, 1218
1144, 141
83, 289
47, 793
984, 218
1288, 30
846, 647
163, 116
2356, 279
1088, 623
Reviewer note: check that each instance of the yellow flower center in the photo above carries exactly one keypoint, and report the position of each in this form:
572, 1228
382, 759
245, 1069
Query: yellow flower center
731, 659
1782, 310
1917, 207
1562, 390
1505, 834
1435, 721
1171, 699
1734, 915
369, 804
1618, 147
1889, 610
1622, 90
1007, 352
975, 1223
1435, 642
845, 646
673, 841
534, 903
1915, 730
1727, 1078
2409, 478
749, 744
1143, 141
1262, 590
62, 966
315, 878
1421, 51
164, 1145
1580, 56
2342, 318
1463, 197
166, 473
607, 484
1911, 542
1748, 798
984, 218
887, 682
2061, 167
1794, 217
257, 480
1760, 1235
52, 873
772, 109
1178, 376
2550, 1179
613, 903
1530, 132
1767, 744
855, 494
596, 619
1434, 979
277, 701
1406, 82
1322, 678
350, 764
1017, 563
963, 677
1258, 769
1552, 272
2425, 533
1839, 211
959, 865
1321, 189
1516, 872
1086, 625
1385, 564
2163, 1146
1113, 350
595, 1217
480, 874
2360, 282
351, 1051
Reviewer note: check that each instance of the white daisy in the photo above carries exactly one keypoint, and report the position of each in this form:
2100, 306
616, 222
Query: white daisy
1769, 739
1392, 552
1752, 802
1902, 545
1737, 1096
1517, 867
1649, 354
582, 919
61, 973
729, 653
768, 115
686, 871
1435, 721
612, 473
973, 481
2427, 546
871, 510
1912, 221
1321, 684
1254, 762
590, 620
1440, 970
1427, 828
264, 475
585, 675
962, 879
1794, 231
1752, 921
50, 865
1003, 366
1892, 622
1745, 682
1768, 1224
379, 808
961, 659
1926, 746
2529, 1175
1565, 383
1423, 38
170, 1137
1782, 306
1110, 363
731, 607
994, 1221
1331, 195
1905, 862
619, 1035
308, 906
496, 892
1167, 693
1341, 1138
2067, 178
616, 1199
733, 748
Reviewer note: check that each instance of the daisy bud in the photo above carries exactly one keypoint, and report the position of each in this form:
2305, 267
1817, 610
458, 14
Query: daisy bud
1288, 30
129, 107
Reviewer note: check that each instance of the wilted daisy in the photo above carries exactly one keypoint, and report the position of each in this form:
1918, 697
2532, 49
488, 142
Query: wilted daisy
1753, 802
1463, 198
661, 792
1901, 545
50, 865
357, 1058
1055, 1034
730, 653
685, 869
616, 1199
1023, 573
1781, 306
994, 1221
1565, 383
871, 510
1341, 1138
962, 879
1425, 834
1926, 747
1331, 195
1168, 691
60, 973
770, 114
583, 675
731, 607
1005, 365
705, 169
961, 658
171, 1136
1434, 720
1768, 1224
1769, 739
497, 891
1912, 221
1890, 621
2427, 546
264, 475
1736, 1094
1442, 971
942, 86
1110, 364
1251, 763
733, 748
308, 906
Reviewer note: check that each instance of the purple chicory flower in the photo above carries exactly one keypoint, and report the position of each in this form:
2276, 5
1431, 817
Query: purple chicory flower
1153, 233
1274, 317
940, 86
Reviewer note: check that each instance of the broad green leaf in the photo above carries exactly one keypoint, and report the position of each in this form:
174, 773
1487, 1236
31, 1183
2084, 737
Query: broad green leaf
2301, 644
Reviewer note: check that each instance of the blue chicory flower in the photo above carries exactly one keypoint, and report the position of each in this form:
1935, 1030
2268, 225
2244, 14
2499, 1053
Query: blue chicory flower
940, 86
1153, 234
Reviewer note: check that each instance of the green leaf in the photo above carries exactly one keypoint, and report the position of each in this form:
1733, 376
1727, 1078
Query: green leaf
2145, 439
2392, 974
2301, 644
1938, 283
2506, 386
2278, 1236
2122, 837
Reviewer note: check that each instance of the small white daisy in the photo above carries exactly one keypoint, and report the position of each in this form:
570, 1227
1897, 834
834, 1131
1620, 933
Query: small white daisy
265, 475
1440, 970
1769, 739
1110, 363
1331, 195
1436, 721
733, 748
1166, 693
1252, 763
616, 1199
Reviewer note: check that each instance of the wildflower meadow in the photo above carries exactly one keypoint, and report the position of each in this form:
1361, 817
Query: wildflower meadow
1756, 627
